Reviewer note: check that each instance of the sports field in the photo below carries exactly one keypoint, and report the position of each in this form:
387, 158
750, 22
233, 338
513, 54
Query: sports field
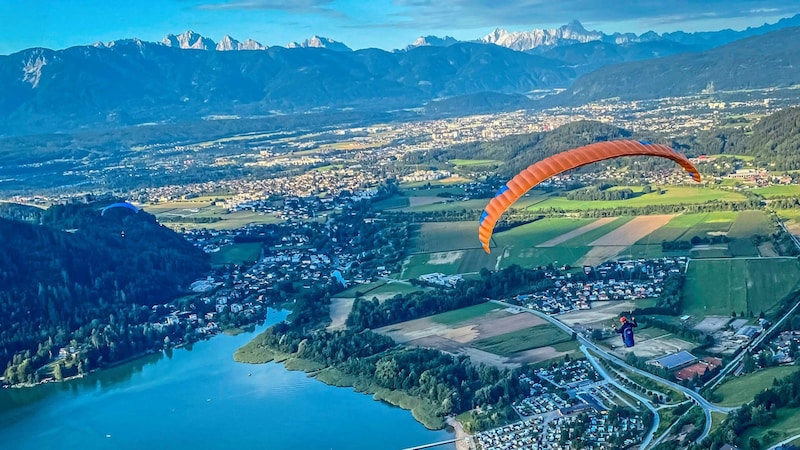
723, 286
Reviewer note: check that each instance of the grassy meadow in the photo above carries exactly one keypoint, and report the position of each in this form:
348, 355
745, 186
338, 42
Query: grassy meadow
528, 338
722, 286
740, 390
236, 254
672, 195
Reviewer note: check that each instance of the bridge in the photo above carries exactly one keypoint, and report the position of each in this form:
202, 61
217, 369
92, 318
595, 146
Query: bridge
435, 444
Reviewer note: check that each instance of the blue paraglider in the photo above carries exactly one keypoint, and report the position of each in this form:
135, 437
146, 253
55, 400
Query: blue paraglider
119, 205
626, 330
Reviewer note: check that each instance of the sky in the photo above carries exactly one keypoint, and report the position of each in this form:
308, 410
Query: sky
385, 24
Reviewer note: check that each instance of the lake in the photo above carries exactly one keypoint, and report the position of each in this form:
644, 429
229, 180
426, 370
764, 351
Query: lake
201, 398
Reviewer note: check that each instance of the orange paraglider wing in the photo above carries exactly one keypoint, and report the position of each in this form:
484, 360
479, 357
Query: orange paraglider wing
562, 162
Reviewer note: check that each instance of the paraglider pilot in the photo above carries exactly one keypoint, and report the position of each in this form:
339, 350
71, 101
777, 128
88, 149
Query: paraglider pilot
626, 330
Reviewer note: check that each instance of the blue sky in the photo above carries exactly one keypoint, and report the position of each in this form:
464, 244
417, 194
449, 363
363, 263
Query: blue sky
386, 24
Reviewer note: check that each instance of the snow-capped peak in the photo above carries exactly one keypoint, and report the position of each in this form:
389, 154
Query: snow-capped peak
228, 43
189, 39
433, 41
321, 42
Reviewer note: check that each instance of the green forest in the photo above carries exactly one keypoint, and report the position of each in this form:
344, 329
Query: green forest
75, 279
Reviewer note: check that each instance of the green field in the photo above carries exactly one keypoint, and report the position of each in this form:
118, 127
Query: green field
432, 192
444, 236
720, 287
534, 337
453, 247
738, 226
462, 314
740, 390
180, 214
449, 263
789, 214
378, 287
672, 195
236, 254
519, 244
748, 224
787, 424
395, 201
535, 233
792, 190
473, 162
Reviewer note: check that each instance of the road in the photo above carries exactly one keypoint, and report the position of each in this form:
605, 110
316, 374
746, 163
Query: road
696, 397
784, 442
602, 371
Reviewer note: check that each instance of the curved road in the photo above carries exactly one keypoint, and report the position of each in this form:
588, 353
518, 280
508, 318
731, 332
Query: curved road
605, 375
697, 398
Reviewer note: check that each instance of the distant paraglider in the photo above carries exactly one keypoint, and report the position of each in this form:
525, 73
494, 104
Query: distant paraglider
119, 205
562, 162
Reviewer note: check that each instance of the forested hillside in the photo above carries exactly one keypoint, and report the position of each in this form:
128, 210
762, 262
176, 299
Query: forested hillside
85, 280
775, 139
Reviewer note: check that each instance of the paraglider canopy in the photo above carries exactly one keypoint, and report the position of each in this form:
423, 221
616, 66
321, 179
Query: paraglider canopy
562, 162
119, 205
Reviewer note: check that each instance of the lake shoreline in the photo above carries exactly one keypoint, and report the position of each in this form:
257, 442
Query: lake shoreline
420, 409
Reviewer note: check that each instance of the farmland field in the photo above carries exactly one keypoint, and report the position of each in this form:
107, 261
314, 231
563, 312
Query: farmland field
792, 190
473, 162
182, 214
749, 223
519, 245
672, 195
516, 341
690, 225
445, 236
470, 312
503, 330
750, 285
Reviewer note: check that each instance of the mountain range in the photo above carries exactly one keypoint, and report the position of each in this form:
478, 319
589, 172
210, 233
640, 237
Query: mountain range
536, 40
130, 81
